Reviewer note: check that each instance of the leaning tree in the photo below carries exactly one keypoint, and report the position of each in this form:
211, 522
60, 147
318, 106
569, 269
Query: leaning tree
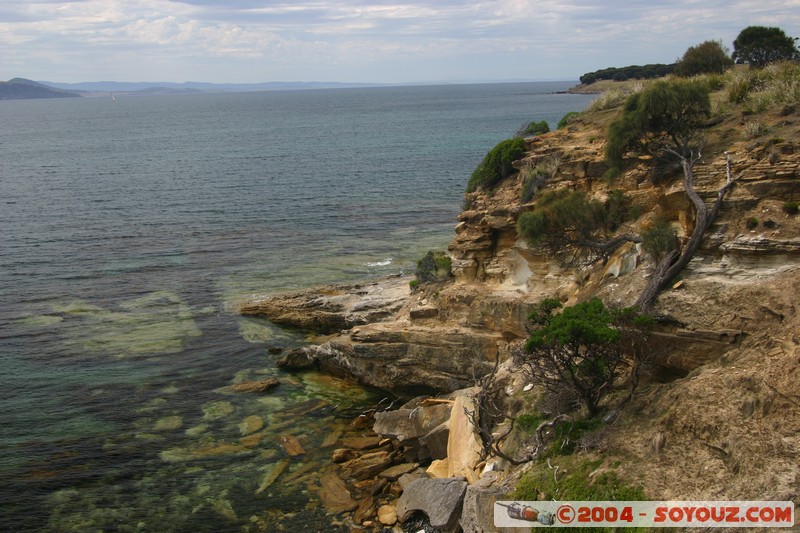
666, 121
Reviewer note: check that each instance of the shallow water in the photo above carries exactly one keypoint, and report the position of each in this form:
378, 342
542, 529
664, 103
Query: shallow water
131, 228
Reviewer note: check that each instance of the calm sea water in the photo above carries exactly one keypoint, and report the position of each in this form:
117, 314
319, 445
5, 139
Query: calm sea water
131, 228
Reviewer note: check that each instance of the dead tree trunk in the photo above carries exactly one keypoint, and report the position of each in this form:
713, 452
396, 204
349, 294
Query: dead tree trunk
675, 261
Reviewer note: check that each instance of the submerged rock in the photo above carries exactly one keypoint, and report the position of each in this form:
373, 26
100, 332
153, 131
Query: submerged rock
168, 423
251, 424
217, 410
334, 494
254, 386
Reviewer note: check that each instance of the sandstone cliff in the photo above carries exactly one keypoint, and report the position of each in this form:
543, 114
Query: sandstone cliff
721, 406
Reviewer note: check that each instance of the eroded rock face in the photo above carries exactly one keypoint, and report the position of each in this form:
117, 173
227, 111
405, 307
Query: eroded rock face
333, 308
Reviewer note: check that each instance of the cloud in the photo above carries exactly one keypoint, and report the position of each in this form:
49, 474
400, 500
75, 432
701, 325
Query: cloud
364, 40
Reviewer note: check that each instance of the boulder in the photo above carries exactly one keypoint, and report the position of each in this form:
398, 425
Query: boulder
387, 515
439, 499
464, 446
406, 424
435, 441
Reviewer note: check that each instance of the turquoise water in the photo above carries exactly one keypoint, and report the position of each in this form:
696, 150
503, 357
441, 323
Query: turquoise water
130, 230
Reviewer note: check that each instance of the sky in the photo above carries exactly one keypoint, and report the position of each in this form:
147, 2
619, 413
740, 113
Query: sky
378, 41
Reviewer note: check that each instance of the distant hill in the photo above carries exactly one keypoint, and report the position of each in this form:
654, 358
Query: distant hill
191, 86
22, 89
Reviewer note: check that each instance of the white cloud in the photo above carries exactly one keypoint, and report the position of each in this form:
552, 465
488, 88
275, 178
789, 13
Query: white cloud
364, 40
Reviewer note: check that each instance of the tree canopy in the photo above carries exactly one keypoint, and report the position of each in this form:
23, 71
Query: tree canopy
709, 57
760, 45
666, 115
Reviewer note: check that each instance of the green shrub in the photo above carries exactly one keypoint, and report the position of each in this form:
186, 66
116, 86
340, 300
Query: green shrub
709, 57
659, 238
534, 177
435, 266
791, 208
575, 484
667, 114
414, 284
496, 165
534, 128
752, 223
566, 119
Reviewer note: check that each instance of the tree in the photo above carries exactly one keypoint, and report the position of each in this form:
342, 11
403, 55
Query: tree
585, 348
563, 219
666, 120
760, 45
667, 117
709, 57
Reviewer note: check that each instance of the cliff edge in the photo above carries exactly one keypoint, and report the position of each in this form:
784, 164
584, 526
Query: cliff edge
718, 414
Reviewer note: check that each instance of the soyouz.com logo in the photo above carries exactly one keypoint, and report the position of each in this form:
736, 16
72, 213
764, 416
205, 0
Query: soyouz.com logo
644, 514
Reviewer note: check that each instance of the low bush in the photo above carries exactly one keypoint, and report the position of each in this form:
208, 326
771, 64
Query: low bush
791, 208
496, 165
435, 266
534, 128
567, 119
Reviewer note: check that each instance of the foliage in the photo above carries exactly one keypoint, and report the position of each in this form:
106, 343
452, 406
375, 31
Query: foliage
566, 119
709, 57
578, 348
752, 223
573, 482
534, 177
631, 72
665, 115
776, 84
609, 99
563, 217
434, 266
534, 128
562, 214
760, 45
497, 164
791, 208
659, 238
584, 348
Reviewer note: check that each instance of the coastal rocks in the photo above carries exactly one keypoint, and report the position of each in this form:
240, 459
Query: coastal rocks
168, 423
464, 446
251, 424
217, 410
403, 358
334, 307
439, 499
334, 494
254, 386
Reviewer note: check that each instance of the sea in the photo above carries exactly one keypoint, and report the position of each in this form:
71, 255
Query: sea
130, 230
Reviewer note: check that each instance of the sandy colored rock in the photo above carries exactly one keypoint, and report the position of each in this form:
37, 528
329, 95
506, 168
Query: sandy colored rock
366, 466
251, 424
439, 468
291, 445
394, 472
464, 445
255, 386
168, 423
387, 515
334, 494
341, 455
360, 443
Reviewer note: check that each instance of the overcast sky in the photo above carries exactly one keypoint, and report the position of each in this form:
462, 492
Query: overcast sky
386, 41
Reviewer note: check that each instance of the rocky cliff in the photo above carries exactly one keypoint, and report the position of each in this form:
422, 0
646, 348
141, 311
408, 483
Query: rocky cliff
719, 417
